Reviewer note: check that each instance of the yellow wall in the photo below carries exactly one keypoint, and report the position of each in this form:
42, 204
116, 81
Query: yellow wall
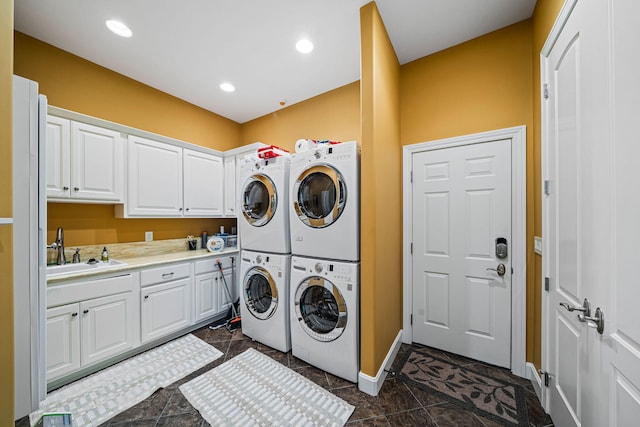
481, 85
76, 84
334, 115
544, 16
381, 190
6, 203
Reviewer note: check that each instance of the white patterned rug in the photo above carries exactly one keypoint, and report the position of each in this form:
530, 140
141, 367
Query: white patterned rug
254, 390
98, 397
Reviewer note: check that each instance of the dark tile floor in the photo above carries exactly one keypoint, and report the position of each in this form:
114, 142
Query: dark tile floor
397, 404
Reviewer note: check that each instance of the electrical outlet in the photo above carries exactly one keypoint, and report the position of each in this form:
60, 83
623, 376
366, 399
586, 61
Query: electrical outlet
148, 236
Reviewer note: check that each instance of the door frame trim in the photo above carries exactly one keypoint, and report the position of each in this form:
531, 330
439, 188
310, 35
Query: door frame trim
552, 38
518, 137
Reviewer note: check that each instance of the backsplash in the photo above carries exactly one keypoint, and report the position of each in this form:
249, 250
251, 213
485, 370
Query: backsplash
124, 250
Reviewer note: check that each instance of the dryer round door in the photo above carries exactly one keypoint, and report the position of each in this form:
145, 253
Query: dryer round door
320, 309
320, 195
260, 293
259, 200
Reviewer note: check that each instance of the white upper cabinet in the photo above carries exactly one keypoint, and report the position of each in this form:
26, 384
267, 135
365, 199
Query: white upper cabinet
203, 184
84, 162
166, 180
154, 178
230, 208
58, 157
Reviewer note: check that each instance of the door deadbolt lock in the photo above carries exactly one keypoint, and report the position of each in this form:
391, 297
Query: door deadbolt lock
501, 248
501, 269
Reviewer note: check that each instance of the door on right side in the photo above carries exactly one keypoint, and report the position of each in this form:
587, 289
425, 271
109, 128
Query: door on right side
592, 211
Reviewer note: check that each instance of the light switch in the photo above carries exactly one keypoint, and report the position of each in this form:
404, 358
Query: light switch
148, 236
537, 245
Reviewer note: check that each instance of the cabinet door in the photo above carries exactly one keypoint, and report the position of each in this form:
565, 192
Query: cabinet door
206, 296
154, 178
230, 186
203, 180
165, 308
58, 157
223, 295
63, 340
97, 163
108, 327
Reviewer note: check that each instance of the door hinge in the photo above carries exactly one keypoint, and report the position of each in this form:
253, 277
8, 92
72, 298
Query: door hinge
411, 177
411, 319
411, 248
547, 187
546, 377
546, 284
545, 91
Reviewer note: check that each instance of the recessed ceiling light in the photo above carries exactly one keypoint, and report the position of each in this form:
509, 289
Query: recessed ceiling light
119, 28
304, 46
227, 87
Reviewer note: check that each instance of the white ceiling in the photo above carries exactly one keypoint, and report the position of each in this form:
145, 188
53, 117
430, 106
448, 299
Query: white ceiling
187, 48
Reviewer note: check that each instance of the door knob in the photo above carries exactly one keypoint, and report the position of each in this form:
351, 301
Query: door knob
501, 269
585, 309
597, 321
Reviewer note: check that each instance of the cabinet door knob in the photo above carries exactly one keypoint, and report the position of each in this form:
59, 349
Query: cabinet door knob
76, 188
180, 209
85, 311
187, 208
74, 314
65, 188
146, 297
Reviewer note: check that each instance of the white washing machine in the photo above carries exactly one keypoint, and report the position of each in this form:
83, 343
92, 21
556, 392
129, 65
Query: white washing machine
325, 315
325, 202
265, 298
264, 223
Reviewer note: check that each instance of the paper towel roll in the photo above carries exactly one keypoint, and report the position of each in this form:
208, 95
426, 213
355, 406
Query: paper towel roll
215, 244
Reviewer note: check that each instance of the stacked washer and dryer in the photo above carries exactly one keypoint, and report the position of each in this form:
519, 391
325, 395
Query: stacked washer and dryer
300, 238
325, 244
265, 256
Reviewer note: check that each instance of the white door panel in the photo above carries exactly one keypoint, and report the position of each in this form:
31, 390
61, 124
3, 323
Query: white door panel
462, 203
591, 215
622, 352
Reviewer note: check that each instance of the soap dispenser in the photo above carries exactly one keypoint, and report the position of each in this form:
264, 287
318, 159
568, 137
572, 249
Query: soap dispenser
105, 255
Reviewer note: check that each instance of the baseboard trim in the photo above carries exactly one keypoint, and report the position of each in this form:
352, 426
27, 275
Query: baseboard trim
536, 381
372, 385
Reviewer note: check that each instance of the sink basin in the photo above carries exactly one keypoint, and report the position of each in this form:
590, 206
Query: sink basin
57, 270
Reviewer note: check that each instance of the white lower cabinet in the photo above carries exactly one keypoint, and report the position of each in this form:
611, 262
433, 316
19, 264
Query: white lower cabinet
87, 332
91, 321
108, 326
211, 296
165, 300
165, 309
63, 340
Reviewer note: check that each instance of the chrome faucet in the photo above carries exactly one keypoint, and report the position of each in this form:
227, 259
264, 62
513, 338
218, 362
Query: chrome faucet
59, 246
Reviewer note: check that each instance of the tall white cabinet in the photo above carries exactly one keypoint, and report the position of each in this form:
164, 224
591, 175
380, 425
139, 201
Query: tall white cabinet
84, 162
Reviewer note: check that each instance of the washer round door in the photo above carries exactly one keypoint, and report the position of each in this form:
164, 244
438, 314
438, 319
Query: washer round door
259, 200
320, 195
320, 309
260, 293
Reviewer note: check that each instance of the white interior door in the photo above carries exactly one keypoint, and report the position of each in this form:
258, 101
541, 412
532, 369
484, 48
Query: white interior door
461, 205
591, 216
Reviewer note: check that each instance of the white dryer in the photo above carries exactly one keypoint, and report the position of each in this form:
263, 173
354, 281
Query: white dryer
325, 315
265, 297
325, 202
264, 223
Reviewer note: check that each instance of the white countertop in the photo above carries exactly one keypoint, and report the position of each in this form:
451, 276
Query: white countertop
143, 262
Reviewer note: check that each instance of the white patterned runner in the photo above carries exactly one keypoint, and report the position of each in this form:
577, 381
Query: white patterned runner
254, 390
98, 397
